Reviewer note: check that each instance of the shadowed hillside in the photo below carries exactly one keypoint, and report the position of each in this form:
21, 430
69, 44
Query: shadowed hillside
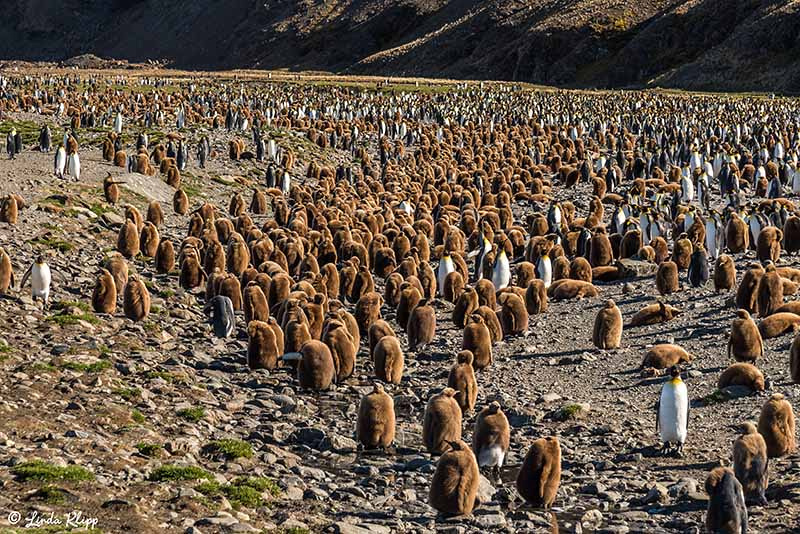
732, 45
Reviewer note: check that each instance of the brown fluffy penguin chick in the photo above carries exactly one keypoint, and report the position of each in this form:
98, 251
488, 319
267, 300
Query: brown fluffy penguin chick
742, 374
388, 360
770, 292
794, 360
778, 324
776, 423
465, 306
580, 269
376, 419
148, 240
654, 314
536, 297
745, 343
136, 300
750, 463
154, 213
118, 268
6, 272
607, 333
664, 356
667, 278
368, 310
478, 340
410, 297
453, 286
487, 296
254, 303
540, 474
128, 239
9, 210
315, 369
462, 379
768, 244
455, 482
343, 350
378, 330
491, 438
492, 323
513, 314
262, 346
724, 273
727, 511
571, 289
747, 293
441, 423
104, 296
165, 257
180, 202
421, 325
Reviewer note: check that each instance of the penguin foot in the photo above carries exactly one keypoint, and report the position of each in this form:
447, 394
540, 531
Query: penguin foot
679, 451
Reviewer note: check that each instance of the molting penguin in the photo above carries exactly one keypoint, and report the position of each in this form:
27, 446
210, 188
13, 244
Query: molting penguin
491, 438
672, 413
222, 317
727, 512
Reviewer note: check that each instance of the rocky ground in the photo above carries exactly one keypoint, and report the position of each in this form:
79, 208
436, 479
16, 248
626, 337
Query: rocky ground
126, 401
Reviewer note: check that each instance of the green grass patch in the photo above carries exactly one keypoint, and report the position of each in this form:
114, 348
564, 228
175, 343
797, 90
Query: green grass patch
99, 209
29, 131
150, 450
242, 491
138, 417
41, 471
167, 473
128, 394
95, 367
54, 243
69, 319
229, 448
43, 367
51, 494
192, 414
166, 376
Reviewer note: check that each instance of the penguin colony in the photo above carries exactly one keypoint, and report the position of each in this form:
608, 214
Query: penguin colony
452, 222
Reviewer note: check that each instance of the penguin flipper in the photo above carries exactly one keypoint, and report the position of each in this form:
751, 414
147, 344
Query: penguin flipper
25, 277
658, 414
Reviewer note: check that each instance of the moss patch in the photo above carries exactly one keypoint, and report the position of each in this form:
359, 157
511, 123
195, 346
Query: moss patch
167, 473
192, 414
229, 448
41, 471
150, 450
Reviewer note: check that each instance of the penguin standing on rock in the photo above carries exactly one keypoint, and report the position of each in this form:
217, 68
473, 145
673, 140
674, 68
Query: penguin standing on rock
222, 317
727, 511
672, 413
41, 277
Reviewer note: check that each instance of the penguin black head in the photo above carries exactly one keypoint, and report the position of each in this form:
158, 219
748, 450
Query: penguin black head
40, 259
674, 372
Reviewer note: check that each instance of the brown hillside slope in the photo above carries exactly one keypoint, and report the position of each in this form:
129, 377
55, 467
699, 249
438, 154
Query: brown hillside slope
732, 45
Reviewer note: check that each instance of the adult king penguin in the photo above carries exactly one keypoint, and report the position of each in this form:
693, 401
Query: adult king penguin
672, 413
40, 276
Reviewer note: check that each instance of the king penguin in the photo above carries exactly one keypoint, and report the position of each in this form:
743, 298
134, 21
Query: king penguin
544, 270
445, 267
60, 162
222, 317
672, 413
501, 272
40, 276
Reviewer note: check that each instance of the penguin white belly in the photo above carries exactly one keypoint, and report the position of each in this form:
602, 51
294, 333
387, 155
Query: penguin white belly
711, 239
544, 268
673, 413
445, 268
501, 276
40, 281
490, 456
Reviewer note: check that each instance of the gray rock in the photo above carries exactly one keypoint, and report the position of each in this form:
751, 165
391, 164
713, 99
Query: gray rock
485, 490
657, 493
